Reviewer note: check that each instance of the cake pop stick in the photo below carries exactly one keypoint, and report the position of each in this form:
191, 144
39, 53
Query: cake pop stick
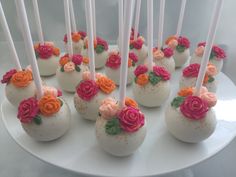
209, 44
38, 21
150, 32
9, 38
181, 17
68, 27
94, 18
72, 15
121, 18
125, 51
137, 16
90, 34
29, 44
161, 24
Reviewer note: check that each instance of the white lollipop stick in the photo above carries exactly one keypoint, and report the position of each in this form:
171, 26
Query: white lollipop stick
121, 17
29, 44
161, 24
209, 44
94, 19
9, 38
38, 21
68, 27
72, 15
88, 7
150, 33
125, 51
181, 17
137, 16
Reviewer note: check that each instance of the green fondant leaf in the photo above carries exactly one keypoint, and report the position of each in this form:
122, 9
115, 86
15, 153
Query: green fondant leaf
62, 69
212, 55
36, 54
153, 78
99, 49
177, 101
131, 46
133, 63
37, 120
77, 68
113, 127
135, 79
211, 79
180, 48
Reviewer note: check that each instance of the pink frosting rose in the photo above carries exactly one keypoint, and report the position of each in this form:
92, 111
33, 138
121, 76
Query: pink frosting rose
132, 34
87, 89
141, 69
69, 67
7, 77
86, 75
201, 44
77, 59
102, 42
183, 41
162, 72
82, 34
168, 52
113, 61
210, 98
219, 52
199, 51
137, 44
109, 108
133, 57
131, 119
27, 110
194, 107
192, 70
44, 51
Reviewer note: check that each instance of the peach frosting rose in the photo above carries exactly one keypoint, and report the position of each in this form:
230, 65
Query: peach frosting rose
63, 60
173, 43
211, 70
199, 51
105, 84
86, 75
158, 54
47, 90
49, 105
69, 67
142, 79
22, 78
210, 98
109, 108
186, 91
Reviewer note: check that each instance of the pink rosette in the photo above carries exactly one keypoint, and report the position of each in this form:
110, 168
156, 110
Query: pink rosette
7, 77
168, 52
77, 59
109, 108
192, 70
82, 34
210, 98
27, 110
102, 42
162, 72
44, 51
133, 57
194, 107
137, 44
87, 89
131, 119
113, 61
69, 67
219, 52
183, 41
141, 69
201, 44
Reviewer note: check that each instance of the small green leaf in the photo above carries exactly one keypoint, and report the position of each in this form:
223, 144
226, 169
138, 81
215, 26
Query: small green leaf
135, 79
37, 120
133, 63
180, 48
77, 68
113, 127
153, 78
212, 55
131, 46
177, 101
36, 54
211, 79
62, 69
99, 49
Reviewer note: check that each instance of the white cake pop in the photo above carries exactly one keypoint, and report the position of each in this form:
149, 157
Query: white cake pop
191, 118
77, 41
180, 45
19, 86
120, 132
216, 57
101, 51
89, 95
151, 88
190, 73
69, 73
112, 67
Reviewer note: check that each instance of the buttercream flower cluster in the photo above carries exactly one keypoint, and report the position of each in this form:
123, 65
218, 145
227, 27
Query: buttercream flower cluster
163, 53
76, 36
179, 43
136, 43
46, 50
100, 45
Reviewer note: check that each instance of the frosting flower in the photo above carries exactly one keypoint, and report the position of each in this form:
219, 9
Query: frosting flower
87, 89
199, 51
56, 51
63, 60
133, 57
137, 44
142, 79
141, 69
27, 110
132, 34
168, 52
202, 90
85, 60
76, 36
183, 41
113, 61
86, 75
173, 43
131, 102
44, 51
77, 59
162, 72
158, 54
69, 67
7, 77
131, 119
109, 108
102, 42
47, 90
105, 84
192, 70
210, 98
171, 38
194, 107
211, 70
186, 92
49, 105
22, 78
219, 52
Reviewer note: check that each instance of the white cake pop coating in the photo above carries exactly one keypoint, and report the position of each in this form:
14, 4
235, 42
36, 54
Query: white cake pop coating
167, 63
16, 94
123, 144
48, 67
69, 80
77, 46
141, 53
181, 58
187, 130
152, 96
52, 127
191, 82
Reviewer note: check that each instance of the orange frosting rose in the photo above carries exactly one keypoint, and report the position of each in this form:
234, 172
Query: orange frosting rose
63, 60
186, 91
49, 105
76, 37
131, 102
142, 79
56, 51
105, 84
22, 78
129, 63
170, 39
86, 60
